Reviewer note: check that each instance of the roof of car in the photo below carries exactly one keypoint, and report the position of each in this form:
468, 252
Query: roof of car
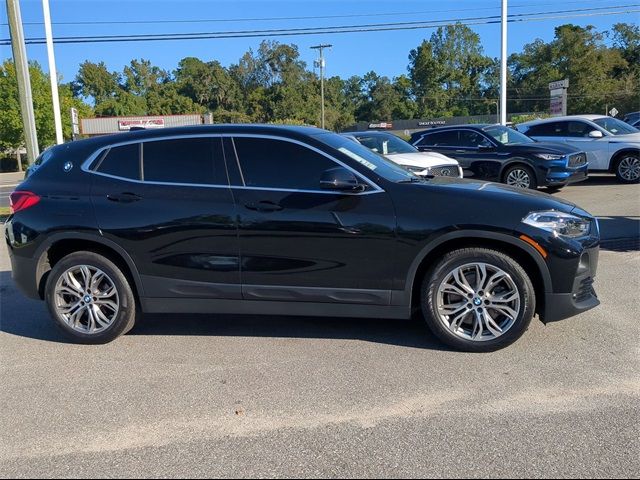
474, 126
280, 130
565, 118
368, 132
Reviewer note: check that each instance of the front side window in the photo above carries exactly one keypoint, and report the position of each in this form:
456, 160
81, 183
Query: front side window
386, 144
551, 129
122, 161
471, 139
185, 160
578, 129
272, 163
506, 136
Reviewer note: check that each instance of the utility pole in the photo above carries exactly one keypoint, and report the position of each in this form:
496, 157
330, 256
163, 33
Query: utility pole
320, 63
24, 82
503, 67
53, 75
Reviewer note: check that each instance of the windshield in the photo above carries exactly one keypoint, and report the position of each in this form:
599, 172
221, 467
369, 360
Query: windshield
615, 126
371, 160
385, 143
506, 136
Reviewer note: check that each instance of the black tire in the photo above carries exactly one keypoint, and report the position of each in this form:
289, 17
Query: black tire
458, 258
125, 317
533, 181
634, 158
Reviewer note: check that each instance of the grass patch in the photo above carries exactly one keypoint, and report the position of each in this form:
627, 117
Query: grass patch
4, 213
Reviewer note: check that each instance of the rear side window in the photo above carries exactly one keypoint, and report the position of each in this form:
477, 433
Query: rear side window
440, 139
122, 161
186, 160
274, 163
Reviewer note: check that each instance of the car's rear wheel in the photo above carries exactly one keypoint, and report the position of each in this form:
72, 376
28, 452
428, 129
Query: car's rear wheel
520, 176
477, 300
90, 298
628, 168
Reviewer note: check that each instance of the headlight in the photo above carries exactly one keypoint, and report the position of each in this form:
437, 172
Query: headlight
415, 169
562, 224
549, 156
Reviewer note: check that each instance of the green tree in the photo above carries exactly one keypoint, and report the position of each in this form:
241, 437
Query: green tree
11, 128
94, 80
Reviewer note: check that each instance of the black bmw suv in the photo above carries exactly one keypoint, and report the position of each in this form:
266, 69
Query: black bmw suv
502, 154
288, 221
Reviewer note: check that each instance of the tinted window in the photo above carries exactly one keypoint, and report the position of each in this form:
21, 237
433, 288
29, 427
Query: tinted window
469, 138
578, 129
449, 138
122, 161
187, 160
280, 164
615, 126
552, 129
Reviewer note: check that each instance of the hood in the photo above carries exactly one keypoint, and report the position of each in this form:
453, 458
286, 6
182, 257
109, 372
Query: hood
543, 147
421, 159
628, 138
498, 193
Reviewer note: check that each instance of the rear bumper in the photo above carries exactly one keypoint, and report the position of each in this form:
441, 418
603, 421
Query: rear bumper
23, 269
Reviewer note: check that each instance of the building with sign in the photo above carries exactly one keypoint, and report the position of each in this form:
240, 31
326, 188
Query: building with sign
108, 125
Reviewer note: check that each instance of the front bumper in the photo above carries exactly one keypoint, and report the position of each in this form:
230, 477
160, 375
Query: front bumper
582, 297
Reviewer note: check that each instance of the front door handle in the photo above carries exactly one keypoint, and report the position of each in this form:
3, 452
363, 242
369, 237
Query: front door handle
263, 206
125, 197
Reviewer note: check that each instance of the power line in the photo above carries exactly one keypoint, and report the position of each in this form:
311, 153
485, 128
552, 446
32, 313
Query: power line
263, 19
528, 17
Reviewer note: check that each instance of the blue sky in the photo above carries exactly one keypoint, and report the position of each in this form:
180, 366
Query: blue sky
352, 53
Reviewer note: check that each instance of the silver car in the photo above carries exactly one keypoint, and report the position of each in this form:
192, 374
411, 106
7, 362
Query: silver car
611, 144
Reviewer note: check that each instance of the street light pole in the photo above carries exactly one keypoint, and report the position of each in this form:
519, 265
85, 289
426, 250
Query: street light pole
320, 63
503, 67
53, 75
24, 82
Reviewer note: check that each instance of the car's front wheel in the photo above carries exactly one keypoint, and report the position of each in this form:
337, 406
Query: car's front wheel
628, 168
90, 298
477, 300
520, 176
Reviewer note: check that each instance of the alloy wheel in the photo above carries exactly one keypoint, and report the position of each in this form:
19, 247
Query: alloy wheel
478, 302
86, 298
629, 168
519, 178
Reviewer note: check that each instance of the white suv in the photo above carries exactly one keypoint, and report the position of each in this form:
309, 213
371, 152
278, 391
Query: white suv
611, 144
406, 155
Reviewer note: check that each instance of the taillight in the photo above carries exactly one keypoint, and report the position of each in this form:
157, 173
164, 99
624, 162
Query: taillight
21, 200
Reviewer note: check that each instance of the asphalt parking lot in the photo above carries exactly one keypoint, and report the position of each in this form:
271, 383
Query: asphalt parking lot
239, 396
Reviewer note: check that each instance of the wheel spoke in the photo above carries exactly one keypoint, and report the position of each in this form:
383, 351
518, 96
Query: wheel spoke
462, 281
481, 276
73, 283
477, 325
490, 323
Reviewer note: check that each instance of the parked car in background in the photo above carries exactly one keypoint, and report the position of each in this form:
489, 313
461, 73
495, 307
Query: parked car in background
611, 144
502, 154
632, 118
406, 155
260, 219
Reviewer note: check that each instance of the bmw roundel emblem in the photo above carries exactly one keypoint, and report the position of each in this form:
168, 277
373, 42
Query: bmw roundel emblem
67, 166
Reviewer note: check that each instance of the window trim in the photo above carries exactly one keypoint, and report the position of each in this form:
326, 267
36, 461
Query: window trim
87, 164
459, 147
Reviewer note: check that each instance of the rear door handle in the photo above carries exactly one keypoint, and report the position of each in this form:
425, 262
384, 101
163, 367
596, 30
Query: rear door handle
125, 197
263, 206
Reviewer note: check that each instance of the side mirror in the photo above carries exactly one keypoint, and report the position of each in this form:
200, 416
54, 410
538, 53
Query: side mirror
595, 134
340, 179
